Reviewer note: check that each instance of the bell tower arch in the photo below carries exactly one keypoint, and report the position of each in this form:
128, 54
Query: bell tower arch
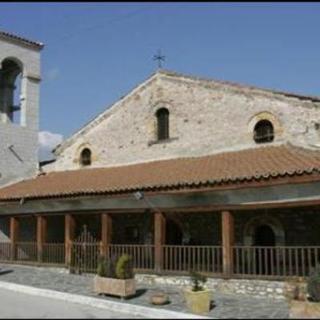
19, 107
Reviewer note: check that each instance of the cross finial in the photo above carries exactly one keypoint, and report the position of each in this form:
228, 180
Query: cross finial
159, 57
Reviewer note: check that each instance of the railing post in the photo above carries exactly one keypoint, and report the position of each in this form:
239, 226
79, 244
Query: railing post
159, 240
227, 243
106, 234
41, 236
14, 231
69, 236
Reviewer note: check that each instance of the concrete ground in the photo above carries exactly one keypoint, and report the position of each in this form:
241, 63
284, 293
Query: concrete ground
15, 305
224, 306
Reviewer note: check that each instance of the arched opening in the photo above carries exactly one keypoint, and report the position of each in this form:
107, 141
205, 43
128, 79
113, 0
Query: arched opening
263, 132
162, 124
10, 91
264, 236
265, 257
85, 157
173, 233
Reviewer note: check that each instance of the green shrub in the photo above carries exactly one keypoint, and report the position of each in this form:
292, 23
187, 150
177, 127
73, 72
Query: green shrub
102, 267
124, 268
313, 285
198, 280
111, 267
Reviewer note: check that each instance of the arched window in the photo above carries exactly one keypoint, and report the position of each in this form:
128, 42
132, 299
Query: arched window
85, 157
263, 132
10, 89
163, 123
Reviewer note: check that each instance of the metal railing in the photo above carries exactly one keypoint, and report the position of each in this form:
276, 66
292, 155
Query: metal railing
53, 253
274, 262
248, 262
26, 251
5, 251
142, 255
206, 259
85, 256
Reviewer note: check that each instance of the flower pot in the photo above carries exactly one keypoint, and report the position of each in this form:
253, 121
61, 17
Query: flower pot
198, 301
117, 287
159, 299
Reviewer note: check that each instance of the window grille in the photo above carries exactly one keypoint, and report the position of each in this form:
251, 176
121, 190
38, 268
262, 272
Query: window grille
263, 132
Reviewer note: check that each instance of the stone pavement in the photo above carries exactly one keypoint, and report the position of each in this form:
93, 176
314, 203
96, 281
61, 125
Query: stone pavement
17, 305
224, 306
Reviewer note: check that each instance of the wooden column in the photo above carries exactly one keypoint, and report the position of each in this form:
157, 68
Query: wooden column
159, 239
69, 231
106, 232
227, 242
41, 235
14, 233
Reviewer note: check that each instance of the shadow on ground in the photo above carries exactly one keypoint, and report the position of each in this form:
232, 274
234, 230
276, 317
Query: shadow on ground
2, 272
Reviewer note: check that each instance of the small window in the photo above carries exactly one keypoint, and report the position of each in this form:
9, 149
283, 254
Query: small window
85, 157
163, 123
263, 132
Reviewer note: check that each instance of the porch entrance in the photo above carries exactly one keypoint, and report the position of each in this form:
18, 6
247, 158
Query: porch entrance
173, 233
264, 237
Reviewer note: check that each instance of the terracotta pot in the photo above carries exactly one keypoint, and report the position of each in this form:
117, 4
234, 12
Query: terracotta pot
159, 299
117, 287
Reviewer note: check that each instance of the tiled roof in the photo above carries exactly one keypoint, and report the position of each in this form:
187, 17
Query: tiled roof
8, 35
268, 162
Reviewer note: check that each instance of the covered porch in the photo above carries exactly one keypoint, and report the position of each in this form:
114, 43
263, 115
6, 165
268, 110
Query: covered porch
244, 214
274, 243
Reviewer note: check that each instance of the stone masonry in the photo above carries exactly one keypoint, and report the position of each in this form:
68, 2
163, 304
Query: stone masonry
19, 142
206, 117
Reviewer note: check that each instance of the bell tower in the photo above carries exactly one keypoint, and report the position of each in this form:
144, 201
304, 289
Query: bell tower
19, 107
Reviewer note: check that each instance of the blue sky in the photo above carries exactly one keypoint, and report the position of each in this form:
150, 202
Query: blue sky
96, 52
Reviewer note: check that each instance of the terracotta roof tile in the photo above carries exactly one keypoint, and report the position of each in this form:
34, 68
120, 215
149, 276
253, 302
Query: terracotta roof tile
265, 162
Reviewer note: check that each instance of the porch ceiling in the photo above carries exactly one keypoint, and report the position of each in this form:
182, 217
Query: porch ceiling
228, 168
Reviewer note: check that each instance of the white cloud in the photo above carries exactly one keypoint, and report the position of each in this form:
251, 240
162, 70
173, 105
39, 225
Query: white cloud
52, 74
47, 142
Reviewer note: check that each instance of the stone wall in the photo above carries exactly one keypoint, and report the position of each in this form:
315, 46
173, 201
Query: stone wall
196, 228
304, 222
258, 288
205, 118
21, 138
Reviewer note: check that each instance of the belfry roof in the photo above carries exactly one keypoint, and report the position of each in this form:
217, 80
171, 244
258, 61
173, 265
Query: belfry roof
10, 36
227, 168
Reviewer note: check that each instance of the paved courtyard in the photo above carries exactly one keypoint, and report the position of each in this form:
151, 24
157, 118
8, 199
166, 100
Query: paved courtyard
224, 306
16, 305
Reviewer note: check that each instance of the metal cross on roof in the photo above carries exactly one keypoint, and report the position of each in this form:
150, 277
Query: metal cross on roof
159, 57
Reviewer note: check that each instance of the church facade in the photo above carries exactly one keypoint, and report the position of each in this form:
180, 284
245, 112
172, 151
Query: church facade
183, 173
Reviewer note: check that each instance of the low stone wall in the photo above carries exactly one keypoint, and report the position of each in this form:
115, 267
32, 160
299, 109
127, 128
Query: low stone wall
258, 288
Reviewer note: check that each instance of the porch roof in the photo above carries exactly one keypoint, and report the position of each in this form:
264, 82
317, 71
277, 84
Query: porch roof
227, 168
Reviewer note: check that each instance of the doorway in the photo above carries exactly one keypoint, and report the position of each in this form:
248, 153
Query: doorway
265, 255
264, 236
173, 233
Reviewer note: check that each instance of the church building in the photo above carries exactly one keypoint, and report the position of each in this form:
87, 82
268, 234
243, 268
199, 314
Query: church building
183, 173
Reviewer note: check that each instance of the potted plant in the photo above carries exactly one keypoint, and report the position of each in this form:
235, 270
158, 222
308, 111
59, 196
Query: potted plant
115, 277
198, 297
